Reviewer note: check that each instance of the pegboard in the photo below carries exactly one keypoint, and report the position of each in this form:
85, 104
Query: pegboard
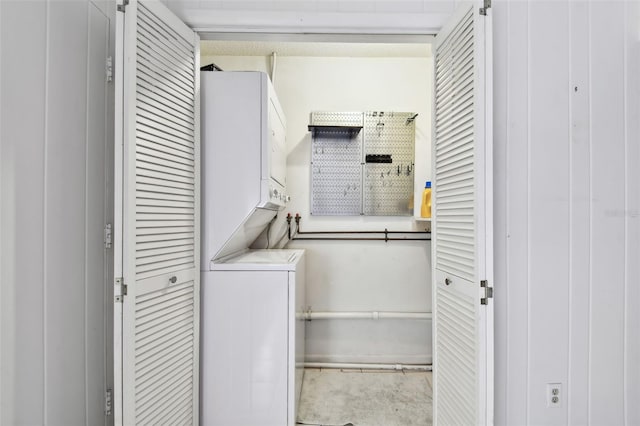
362, 172
336, 173
388, 187
342, 119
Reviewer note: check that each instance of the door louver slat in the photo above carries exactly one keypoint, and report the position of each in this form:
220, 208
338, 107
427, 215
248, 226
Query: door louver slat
149, 111
183, 152
457, 356
147, 97
168, 42
156, 53
454, 169
151, 363
149, 89
154, 66
165, 34
161, 88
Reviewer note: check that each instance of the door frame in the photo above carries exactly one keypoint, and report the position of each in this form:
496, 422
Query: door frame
402, 35
118, 220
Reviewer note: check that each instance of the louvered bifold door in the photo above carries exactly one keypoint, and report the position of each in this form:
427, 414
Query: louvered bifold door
160, 219
462, 222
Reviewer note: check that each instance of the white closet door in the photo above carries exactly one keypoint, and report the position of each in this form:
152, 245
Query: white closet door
157, 313
463, 222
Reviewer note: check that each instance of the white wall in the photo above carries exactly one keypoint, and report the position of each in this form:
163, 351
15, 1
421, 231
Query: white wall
567, 204
355, 276
55, 111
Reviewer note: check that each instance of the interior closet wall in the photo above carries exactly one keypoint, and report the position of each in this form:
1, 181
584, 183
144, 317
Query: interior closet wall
56, 115
567, 205
354, 276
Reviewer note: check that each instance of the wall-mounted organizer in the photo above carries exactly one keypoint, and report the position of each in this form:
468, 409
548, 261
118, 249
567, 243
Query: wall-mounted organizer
362, 163
336, 163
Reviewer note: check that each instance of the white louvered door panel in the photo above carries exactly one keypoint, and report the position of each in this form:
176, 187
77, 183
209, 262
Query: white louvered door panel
160, 313
462, 221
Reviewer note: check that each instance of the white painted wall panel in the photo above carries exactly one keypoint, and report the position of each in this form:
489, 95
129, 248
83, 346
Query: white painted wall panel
569, 153
580, 215
65, 225
98, 212
548, 209
608, 214
54, 115
516, 174
500, 130
632, 214
2, 277
22, 141
368, 276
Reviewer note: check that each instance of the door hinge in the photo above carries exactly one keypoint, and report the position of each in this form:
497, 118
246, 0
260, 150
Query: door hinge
121, 290
488, 292
122, 7
487, 5
109, 69
108, 236
108, 402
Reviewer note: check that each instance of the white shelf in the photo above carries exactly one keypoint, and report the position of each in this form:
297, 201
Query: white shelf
422, 219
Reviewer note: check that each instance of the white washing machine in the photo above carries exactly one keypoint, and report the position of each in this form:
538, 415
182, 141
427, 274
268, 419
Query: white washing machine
252, 332
252, 338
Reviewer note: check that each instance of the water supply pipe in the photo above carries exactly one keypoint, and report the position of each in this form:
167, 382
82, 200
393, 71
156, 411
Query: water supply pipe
274, 58
375, 315
399, 367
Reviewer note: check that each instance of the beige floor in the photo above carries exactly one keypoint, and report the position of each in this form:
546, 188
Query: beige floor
332, 397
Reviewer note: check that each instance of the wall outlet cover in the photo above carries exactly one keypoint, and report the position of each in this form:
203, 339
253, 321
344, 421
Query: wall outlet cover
554, 395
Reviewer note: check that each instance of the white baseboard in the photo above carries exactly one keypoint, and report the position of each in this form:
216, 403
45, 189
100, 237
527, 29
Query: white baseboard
370, 359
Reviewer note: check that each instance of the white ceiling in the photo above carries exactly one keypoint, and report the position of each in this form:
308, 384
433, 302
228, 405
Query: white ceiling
323, 49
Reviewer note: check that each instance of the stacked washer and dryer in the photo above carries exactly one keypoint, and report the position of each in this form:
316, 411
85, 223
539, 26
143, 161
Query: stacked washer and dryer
252, 330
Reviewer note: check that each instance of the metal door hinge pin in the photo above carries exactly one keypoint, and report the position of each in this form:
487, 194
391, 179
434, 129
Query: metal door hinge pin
488, 292
122, 7
109, 69
108, 402
108, 236
487, 5
121, 290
